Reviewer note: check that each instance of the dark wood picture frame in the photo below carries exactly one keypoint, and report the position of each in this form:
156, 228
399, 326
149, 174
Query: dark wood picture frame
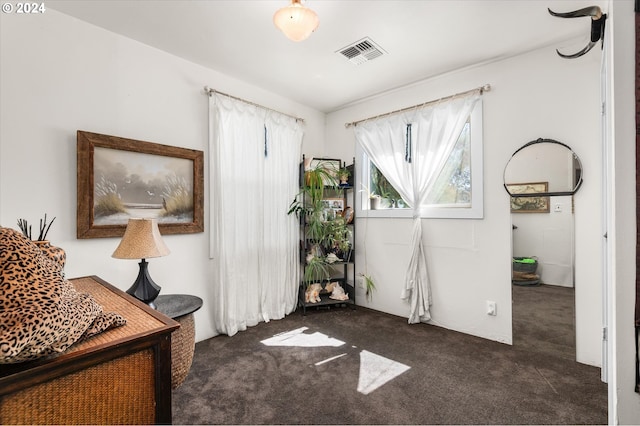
527, 200
87, 142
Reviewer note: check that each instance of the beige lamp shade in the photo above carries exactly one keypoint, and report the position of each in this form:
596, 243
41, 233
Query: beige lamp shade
141, 240
296, 21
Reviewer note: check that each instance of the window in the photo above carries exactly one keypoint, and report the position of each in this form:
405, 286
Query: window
458, 191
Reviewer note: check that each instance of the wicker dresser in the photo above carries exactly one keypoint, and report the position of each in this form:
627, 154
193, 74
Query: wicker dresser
121, 376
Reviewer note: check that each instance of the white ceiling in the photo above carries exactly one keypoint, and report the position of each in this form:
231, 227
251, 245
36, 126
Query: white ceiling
422, 38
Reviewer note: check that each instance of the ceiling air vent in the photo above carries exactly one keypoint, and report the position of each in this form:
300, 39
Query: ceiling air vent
361, 51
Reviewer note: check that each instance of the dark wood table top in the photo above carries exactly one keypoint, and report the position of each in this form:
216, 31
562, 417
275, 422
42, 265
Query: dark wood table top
177, 305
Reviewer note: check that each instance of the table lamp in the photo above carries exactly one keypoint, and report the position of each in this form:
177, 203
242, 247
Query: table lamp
142, 240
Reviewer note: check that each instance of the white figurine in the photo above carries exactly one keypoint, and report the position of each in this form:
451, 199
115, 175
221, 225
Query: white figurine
338, 293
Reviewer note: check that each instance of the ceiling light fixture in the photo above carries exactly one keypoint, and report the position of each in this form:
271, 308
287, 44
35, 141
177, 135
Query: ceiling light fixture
296, 21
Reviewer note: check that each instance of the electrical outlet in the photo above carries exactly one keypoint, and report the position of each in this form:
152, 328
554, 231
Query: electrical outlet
360, 282
491, 308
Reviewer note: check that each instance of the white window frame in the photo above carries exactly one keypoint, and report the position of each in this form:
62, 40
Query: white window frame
448, 211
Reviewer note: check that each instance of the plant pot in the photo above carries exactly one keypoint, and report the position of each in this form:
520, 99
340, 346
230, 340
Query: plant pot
374, 203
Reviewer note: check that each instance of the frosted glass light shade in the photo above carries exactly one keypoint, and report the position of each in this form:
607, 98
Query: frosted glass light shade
296, 21
141, 240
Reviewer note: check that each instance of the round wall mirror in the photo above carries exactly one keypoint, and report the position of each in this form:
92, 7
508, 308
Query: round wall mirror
543, 167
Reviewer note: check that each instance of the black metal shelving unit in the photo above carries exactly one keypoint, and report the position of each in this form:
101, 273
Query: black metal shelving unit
343, 272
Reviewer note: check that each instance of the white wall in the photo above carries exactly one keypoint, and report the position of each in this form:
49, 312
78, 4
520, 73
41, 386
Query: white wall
549, 237
624, 403
533, 95
59, 75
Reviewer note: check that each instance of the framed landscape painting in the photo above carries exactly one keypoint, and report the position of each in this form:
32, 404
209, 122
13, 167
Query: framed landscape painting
120, 178
529, 203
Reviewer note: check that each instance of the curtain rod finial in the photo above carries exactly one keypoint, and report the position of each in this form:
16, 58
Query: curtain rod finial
486, 88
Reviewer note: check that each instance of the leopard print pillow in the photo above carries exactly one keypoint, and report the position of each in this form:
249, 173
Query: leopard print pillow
41, 313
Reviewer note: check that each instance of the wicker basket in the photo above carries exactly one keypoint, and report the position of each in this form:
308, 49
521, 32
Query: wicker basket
183, 342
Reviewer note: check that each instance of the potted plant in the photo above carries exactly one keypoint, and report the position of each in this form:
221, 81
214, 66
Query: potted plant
370, 286
312, 192
338, 236
317, 177
374, 199
308, 203
382, 190
343, 175
317, 269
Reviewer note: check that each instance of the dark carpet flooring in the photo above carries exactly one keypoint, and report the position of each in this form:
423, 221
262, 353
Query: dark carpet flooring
453, 378
544, 320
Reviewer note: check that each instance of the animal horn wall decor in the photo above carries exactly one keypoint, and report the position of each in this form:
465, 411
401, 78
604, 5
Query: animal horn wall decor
597, 27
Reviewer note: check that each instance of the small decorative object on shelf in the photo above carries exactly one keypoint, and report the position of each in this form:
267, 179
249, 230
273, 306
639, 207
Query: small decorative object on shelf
327, 229
347, 214
338, 293
343, 175
312, 294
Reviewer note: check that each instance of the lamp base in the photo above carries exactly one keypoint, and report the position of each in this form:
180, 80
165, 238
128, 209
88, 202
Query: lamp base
144, 288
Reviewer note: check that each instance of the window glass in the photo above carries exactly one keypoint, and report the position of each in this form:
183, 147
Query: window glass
454, 182
380, 185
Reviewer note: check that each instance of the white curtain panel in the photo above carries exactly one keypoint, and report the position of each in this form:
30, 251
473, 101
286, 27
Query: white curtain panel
436, 128
253, 242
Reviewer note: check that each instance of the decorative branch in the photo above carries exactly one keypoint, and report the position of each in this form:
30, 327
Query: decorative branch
44, 228
25, 228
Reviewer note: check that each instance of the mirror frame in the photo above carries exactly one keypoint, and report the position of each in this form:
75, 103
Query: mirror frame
543, 194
